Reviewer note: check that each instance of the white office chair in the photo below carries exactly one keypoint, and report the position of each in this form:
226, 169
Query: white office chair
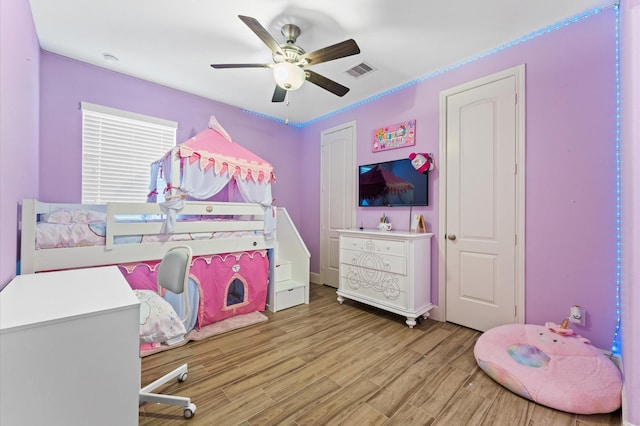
173, 275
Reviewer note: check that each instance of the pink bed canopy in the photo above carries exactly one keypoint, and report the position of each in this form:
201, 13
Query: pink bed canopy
209, 161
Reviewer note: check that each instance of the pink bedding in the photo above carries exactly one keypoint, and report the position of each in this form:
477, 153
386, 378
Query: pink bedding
229, 284
57, 235
54, 235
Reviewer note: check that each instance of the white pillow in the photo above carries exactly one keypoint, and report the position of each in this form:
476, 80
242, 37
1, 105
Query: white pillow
63, 216
159, 322
60, 216
88, 216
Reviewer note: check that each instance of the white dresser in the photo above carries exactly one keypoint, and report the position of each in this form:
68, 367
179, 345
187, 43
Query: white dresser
387, 269
69, 349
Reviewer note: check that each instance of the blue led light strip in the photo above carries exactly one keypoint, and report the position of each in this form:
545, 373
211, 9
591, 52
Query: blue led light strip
515, 42
279, 120
615, 346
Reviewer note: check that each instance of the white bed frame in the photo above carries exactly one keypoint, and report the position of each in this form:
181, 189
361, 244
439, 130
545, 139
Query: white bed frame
246, 217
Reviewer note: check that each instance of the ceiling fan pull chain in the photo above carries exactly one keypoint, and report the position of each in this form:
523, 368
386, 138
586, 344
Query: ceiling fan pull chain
286, 110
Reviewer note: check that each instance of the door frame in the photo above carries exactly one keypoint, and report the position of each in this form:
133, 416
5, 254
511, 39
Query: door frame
324, 192
439, 312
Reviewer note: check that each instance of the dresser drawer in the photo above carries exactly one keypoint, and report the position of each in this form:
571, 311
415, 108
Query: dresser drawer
386, 293
354, 277
375, 261
397, 248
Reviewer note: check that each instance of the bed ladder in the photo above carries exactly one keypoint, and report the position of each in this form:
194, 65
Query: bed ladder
289, 283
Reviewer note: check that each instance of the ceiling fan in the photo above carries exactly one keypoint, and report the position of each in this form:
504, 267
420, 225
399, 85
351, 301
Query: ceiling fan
290, 60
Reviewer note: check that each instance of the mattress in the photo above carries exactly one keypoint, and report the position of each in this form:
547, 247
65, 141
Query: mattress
58, 235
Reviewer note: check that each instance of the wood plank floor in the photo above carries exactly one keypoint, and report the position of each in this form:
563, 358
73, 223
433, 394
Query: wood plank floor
331, 364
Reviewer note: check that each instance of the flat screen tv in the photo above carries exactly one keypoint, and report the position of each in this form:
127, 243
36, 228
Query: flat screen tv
391, 183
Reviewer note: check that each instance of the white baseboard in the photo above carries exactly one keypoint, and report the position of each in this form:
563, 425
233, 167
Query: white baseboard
617, 360
436, 314
314, 278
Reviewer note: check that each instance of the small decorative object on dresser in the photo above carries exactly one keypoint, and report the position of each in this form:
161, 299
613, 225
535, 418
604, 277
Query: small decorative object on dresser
418, 224
390, 270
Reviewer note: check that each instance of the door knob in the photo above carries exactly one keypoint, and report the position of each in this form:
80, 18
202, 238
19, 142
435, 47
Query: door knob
451, 237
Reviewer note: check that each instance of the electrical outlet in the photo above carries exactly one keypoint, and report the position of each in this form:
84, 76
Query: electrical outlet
576, 315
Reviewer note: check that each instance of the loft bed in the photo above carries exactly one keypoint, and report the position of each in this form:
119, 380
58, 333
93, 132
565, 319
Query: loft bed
130, 232
228, 238
200, 168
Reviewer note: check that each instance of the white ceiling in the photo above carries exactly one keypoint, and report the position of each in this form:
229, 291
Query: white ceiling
173, 42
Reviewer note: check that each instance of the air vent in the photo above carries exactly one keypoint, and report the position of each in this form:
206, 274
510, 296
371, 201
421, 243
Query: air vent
360, 70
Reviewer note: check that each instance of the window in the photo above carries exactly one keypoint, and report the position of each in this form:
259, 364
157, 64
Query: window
118, 148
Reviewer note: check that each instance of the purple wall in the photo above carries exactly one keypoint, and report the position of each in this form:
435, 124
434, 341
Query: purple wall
66, 82
570, 166
19, 67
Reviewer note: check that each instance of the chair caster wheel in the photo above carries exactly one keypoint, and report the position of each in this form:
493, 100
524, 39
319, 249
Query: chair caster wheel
189, 412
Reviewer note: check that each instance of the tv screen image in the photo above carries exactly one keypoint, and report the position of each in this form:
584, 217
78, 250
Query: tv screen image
391, 183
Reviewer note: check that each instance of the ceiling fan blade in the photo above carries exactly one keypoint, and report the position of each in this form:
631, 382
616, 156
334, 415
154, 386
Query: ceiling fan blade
325, 83
279, 94
329, 53
261, 32
220, 66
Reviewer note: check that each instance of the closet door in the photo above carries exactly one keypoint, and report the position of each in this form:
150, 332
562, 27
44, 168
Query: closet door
482, 191
338, 199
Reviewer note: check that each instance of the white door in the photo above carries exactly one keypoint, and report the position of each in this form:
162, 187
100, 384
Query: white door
337, 197
482, 219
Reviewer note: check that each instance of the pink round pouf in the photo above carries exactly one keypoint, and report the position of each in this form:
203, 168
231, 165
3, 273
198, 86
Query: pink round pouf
561, 371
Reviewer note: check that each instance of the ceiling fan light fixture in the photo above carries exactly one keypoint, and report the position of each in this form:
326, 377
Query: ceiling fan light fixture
288, 76
290, 61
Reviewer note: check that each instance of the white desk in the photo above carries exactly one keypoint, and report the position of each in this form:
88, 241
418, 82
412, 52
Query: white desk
69, 349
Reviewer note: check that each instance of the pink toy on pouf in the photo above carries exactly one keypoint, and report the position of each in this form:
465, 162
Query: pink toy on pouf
558, 368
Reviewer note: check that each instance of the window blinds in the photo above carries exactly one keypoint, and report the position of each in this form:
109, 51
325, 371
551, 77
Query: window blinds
117, 150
